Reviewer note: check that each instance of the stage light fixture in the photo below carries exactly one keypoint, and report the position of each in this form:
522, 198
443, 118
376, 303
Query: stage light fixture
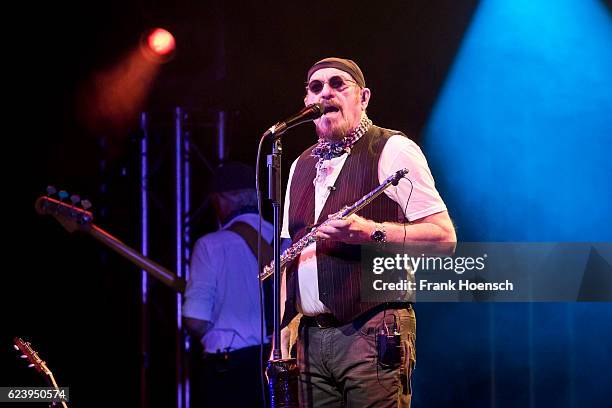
161, 41
158, 44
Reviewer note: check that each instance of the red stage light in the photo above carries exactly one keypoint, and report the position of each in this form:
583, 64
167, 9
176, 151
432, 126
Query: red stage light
161, 42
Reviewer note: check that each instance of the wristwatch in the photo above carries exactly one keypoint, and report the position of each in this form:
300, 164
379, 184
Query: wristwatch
379, 234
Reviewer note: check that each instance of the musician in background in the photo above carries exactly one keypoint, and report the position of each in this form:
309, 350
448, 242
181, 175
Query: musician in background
336, 347
222, 307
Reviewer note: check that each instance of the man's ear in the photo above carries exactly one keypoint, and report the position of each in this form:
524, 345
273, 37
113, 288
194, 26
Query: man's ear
365, 97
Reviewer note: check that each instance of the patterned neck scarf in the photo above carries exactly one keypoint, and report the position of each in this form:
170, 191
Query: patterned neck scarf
326, 150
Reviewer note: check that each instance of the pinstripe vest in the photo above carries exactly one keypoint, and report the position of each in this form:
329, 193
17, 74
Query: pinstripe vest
338, 264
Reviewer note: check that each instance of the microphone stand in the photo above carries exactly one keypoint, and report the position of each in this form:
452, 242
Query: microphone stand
282, 373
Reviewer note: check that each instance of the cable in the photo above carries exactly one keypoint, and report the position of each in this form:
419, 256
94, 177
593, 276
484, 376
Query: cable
406, 209
259, 265
405, 216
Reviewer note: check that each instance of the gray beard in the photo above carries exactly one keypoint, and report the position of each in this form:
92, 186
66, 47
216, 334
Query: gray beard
334, 134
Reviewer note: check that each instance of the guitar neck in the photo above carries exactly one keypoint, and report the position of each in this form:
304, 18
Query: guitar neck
153, 268
38, 363
53, 383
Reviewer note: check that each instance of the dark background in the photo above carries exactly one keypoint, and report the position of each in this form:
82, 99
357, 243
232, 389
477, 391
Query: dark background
78, 303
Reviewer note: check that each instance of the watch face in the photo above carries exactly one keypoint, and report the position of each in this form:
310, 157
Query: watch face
378, 236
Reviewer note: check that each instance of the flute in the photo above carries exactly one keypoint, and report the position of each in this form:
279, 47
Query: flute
296, 248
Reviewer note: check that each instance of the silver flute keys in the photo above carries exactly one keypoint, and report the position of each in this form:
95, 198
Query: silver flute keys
296, 248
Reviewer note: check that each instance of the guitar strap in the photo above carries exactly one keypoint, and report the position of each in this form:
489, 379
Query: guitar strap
250, 236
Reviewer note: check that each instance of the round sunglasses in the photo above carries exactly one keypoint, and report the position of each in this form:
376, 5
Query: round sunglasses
336, 82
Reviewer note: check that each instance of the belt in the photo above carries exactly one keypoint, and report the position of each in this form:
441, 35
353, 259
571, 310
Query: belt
327, 320
322, 321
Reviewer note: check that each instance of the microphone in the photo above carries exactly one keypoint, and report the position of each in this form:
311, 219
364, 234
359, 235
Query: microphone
310, 112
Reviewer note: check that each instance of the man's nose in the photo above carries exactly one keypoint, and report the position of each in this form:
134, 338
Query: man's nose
327, 92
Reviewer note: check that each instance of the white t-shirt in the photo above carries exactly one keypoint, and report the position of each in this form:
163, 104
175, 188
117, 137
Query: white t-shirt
399, 152
223, 287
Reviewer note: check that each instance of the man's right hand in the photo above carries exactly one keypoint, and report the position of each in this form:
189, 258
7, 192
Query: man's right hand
288, 337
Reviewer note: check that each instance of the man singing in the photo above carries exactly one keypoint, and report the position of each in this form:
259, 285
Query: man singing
337, 341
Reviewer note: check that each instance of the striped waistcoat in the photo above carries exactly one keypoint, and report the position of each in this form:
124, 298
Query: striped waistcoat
338, 264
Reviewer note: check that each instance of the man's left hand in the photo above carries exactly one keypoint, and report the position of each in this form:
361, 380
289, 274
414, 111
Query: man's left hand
351, 230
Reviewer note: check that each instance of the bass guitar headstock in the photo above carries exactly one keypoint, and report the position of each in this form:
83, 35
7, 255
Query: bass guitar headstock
73, 215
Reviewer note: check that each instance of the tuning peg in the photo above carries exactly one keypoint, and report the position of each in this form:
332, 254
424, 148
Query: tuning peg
51, 190
15, 347
23, 356
75, 199
63, 194
86, 204
31, 365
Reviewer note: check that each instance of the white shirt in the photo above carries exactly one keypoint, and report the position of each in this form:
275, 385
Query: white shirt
223, 287
399, 152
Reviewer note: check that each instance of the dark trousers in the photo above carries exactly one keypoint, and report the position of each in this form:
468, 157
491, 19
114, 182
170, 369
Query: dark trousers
228, 380
339, 366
